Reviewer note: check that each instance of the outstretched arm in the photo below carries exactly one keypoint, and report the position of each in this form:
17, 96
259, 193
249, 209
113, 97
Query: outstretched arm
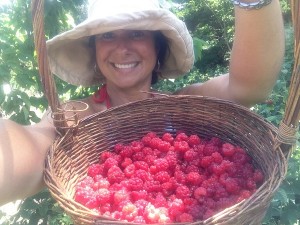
22, 155
256, 58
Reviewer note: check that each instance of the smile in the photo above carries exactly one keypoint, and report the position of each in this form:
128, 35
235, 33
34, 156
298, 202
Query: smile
125, 66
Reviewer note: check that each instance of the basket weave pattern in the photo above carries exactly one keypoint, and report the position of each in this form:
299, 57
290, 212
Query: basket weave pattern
70, 156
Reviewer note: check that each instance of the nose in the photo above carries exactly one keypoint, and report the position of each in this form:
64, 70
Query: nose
123, 45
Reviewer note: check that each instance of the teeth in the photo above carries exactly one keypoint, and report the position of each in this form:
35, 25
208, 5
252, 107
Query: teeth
125, 66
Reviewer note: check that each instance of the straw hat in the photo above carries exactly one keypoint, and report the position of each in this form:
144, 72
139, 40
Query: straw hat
71, 58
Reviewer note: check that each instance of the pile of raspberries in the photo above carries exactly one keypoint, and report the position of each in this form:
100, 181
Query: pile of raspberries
167, 179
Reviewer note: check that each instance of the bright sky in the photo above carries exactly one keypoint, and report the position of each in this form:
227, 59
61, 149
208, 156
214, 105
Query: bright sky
4, 2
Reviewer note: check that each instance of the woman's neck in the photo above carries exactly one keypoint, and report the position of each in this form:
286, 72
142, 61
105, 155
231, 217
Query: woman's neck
119, 96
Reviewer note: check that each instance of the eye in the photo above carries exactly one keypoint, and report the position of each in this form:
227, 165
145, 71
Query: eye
137, 34
106, 36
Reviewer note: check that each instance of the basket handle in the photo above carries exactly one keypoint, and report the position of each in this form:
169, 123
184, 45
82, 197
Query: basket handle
43, 65
287, 133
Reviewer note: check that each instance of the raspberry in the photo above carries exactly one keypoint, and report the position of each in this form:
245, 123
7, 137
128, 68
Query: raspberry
206, 161
193, 167
138, 156
120, 196
126, 162
147, 151
116, 187
155, 142
184, 218
136, 146
151, 214
176, 207
110, 162
104, 155
126, 152
118, 148
141, 205
153, 170
142, 174
228, 149
215, 141
161, 164
149, 159
200, 192
251, 185
101, 183
183, 192
180, 176
137, 195
171, 157
105, 209
209, 149
194, 140
92, 202
194, 178
181, 146
129, 211
240, 158
164, 146
94, 170
190, 155
247, 170
181, 137
162, 176
152, 185
167, 137
244, 194
217, 157
129, 171
146, 140
210, 203
209, 213
103, 195
220, 193
141, 165
98, 177
199, 149
197, 211
115, 174
151, 134
135, 184
82, 196
258, 176
167, 188
160, 200
232, 186
86, 182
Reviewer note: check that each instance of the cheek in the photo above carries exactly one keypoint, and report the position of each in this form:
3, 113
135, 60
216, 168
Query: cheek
100, 54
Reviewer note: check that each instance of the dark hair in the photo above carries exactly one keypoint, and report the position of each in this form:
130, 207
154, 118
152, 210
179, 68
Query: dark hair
161, 45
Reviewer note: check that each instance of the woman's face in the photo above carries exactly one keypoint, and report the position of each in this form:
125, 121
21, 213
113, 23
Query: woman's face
126, 57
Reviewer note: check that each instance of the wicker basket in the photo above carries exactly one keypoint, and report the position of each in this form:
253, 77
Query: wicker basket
78, 147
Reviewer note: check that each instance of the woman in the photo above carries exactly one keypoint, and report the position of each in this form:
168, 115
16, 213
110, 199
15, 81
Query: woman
122, 45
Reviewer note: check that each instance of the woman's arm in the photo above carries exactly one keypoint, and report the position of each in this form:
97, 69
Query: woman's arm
256, 58
22, 154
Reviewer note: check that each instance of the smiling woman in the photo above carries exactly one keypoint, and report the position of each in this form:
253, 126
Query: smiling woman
126, 58
124, 46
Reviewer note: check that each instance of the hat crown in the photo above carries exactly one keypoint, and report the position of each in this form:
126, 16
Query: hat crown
104, 8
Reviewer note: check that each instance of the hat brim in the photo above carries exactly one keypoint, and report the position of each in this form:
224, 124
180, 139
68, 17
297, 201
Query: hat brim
71, 58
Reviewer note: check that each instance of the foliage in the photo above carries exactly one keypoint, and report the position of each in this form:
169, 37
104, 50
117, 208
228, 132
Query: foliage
212, 31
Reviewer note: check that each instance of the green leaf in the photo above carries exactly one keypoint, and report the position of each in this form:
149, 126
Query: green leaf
281, 196
198, 47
